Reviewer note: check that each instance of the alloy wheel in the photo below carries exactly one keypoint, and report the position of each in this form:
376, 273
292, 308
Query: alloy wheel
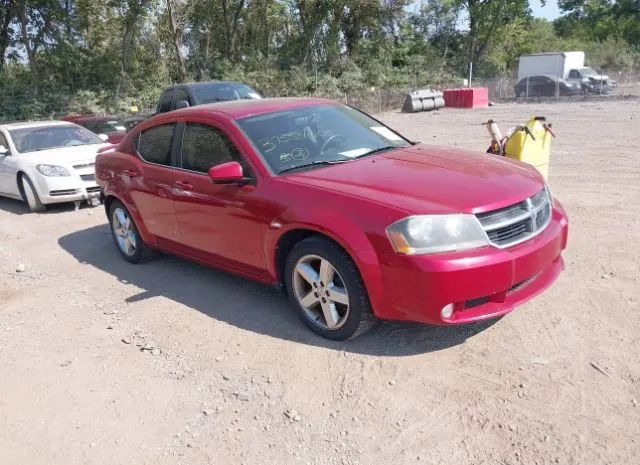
124, 232
321, 292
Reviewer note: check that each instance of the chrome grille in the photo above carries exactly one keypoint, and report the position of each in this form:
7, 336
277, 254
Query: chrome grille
517, 223
86, 165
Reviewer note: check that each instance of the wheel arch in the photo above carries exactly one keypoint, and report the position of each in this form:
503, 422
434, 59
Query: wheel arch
19, 174
111, 196
365, 258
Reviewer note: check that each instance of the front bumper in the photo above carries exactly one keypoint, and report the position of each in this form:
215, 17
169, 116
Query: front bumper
65, 189
481, 284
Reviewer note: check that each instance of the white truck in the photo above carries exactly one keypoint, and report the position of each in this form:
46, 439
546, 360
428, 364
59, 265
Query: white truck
567, 66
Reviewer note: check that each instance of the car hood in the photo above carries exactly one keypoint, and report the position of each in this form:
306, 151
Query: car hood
430, 179
64, 155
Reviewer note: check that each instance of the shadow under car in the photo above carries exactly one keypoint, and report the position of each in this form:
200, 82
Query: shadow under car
248, 305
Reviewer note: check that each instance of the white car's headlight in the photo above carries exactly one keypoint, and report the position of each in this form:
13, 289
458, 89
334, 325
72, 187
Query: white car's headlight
52, 170
436, 233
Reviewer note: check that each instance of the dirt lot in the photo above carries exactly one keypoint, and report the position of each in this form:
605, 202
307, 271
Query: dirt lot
231, 376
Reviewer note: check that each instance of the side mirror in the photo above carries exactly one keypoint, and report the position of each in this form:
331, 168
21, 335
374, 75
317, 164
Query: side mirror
4, 150
103, 137
180, 104
228, 173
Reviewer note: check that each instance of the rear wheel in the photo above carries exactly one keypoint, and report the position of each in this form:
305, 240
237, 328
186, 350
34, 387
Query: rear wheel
126, 236
326, 289
30, 195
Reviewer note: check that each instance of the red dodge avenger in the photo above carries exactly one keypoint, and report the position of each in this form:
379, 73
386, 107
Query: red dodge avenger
353, 220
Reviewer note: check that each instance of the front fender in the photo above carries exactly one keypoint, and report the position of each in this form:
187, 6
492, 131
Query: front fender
341, 229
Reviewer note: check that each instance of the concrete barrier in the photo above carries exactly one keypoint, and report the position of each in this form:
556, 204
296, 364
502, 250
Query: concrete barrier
473, 97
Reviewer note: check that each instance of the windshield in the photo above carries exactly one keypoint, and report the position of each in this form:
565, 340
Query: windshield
49, 137
105, 127
586, 72
223, 92
317, 135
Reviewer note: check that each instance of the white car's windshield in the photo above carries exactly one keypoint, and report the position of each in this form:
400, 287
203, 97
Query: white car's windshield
317, 135
50, 137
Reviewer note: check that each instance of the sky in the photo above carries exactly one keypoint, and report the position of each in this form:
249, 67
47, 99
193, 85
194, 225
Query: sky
549, 11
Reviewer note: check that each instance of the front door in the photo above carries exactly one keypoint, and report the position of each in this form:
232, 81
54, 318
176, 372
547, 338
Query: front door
153, 180
8, 183
222, 220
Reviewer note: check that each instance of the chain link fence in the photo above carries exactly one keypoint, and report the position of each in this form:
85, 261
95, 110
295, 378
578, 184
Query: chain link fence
372, 100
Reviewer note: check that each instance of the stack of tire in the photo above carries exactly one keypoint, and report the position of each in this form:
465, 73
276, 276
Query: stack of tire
423, 100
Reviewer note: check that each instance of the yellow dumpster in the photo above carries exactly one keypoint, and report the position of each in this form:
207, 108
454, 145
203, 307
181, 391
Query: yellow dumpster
531, 144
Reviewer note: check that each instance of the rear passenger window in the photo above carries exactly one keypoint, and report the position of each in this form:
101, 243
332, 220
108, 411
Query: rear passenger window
154, 144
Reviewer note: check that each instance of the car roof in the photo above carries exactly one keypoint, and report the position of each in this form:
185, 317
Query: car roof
92, 118
35, 124
550, 76
243, 108
204, 84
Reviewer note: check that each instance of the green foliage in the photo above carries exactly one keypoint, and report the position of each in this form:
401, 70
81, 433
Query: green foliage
67, 56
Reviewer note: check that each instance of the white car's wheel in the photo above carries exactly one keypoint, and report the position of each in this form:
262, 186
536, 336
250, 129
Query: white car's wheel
30, 195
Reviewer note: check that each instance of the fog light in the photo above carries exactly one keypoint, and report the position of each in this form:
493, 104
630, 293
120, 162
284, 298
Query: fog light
447, 311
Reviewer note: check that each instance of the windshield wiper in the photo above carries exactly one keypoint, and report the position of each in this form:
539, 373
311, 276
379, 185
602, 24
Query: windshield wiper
313, 163
378, 150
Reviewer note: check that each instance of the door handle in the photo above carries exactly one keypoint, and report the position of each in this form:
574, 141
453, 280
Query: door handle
184, 185
130, 173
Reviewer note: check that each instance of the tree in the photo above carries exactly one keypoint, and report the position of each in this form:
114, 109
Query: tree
7, 16
488, 19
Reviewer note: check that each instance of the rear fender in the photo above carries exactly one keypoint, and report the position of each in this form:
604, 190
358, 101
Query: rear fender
119, 192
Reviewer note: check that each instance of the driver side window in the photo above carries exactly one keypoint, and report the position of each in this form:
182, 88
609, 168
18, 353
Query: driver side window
573, 74
204, 147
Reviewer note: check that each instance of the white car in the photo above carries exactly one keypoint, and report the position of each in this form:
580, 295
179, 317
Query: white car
48, 162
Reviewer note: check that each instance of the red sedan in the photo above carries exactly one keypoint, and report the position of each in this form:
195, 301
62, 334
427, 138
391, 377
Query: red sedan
109, 128
353, 220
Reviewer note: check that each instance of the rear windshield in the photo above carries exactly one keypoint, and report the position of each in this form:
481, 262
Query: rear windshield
223, 92
50, 137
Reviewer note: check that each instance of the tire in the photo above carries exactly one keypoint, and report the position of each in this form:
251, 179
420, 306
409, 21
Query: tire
30, 195
126, 236
343, 296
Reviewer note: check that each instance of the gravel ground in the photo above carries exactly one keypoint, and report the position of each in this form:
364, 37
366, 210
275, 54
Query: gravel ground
173, 363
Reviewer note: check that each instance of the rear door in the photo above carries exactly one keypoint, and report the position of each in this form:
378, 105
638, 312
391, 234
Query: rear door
152, 183
225, 221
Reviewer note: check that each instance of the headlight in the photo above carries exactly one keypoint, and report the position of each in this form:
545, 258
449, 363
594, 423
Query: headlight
436, 233
52, 170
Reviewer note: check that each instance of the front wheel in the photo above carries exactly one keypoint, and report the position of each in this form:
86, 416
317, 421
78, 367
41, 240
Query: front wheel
326, 289
126, 236
30, 195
